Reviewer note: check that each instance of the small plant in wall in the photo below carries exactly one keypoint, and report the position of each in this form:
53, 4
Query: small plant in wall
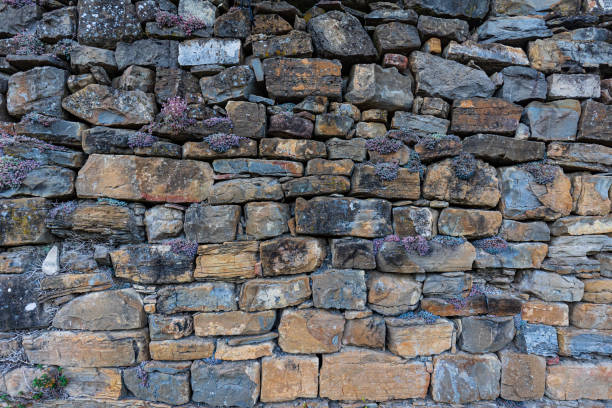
222, 142
183, 247
383, 145
187, 24
387, 171
542, 172
49, 385
14, 170
464, 166
430, 142
174, 113
493, 245
428, 317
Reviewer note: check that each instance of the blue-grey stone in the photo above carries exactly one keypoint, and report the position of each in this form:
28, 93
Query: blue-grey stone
513, 30
226, 384
522, 84
161, 382
339, 289
485, 334
537, 339
200, 297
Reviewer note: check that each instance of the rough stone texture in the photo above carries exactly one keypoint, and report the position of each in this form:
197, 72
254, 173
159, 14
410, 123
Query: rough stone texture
391, 294
291, 255
22, 221
522, 84
523, 376
595, 123
105, 23
226, 384
469, 223
371, 86
166, 382
211, 224
40, 89
366, 183
537, 339
263, 294
472, 116
574, 380
485, 334
232, 83
553, 314
492, 57
339, 289
297, 78
554, 120
478, 378
591, 316
209, 51
414, 338
196, 297
288, 378
365, 332
227, 261
310, 331
372, 375
233, 323
151, 264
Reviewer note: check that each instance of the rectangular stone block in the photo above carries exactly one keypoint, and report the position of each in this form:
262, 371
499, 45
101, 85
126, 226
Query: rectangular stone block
226, 384
231, 260
356, 374
550, 313
188, 348
22, 221
289, 377
260, 167
366, 183
210, 51
152, 264
572, 380
415, 337
595, 123
485, 115
102, 383
144, 179
336, 216
196, 297
265, 294
236, 323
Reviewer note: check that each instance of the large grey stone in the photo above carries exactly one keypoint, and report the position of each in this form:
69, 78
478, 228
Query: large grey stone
371, 86
396, 38
503, 150
39, 90
442, 78
15, 20
556, 120
339, 289
227, 384
104, 23
209, 51
162, 382
147, 53
485, 334
552, 287
211, 224
513, 30
44, 181
562, 86
445, 28
231, 83
477, 9
537, 339
419, 125
522, 84
490, 57
20, 307
201, 297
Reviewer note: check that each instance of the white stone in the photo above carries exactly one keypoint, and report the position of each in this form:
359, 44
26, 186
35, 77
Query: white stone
50, 265
204, 10
561, 86
209, 51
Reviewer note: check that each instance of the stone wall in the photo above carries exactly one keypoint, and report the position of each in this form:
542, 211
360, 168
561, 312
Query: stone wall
293, 205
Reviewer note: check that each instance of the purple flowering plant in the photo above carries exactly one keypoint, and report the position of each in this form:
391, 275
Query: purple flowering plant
383, 145
222, 142
187, 24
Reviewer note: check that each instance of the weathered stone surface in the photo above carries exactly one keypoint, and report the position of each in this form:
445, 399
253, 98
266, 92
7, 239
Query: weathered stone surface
572, 380
296, 44
448, 29
39, 90
522, 84
331, 125
442, 78
103, 383
372, 375
598, 290
266, 220
517, 256
352, 253
484, 334
290, 78
595, 123
503, 150
478, 378
163, 222
209, 51
264, 294
552, 314
227, 384
562, 86
384, 15
531, 7
523, 198
575, 225
343, 216
310, 331
166, 382
420, 125
229, 260
396, 37
412, 338
259, 166
98, 221
523, 376
316, 185
87, 349
291, 255
236, 82
552, 287
339, 289
196, 297
293, 149
415, 221
105, 23
17, 19
353, 149
44, 181
577, 246
289, 377
235, 323
174, 327
447, 284
249, 119
365, 332
537, 339
189, 348
592, 316
491, 57
469, 223
70, 283
103, 106
147, 53
482, 189
580, 156
82, 58
366, 183
473, 116
513, 30
581, 342
243, 190
203, 151
556, 120
340, 35
391, 294
524, 231
287, 125
394, 257
110, 310
21, 308
22, 221
20, 260
152, 264
147, 179
106, 140
225, 351
554, 54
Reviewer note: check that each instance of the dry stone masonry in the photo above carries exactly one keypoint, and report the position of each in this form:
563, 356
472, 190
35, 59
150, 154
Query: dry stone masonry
305, 204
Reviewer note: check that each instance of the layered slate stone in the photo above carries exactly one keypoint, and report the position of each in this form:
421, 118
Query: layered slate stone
595, 123
339, 289
478, 379
235, 323
371, 86
39, 90
553, 54
109, 310
232, 383
474, 116
492, 57
211, 224
373, 375
144, 179
147, 53
248, 119
394, 257
292, 149
106, 140
295, 44
419, 125
310, 331
230, 260
365, 332
172, 327
196, 297
503, 150
103, 383
523, 255
513, 30
105, 23
475, 10
592, 316
522, 84
98, 222
443, 78
366, 183
316, 185
259, 167
289, 377
556, 120
441, 183
243, 190
523, 198
290, 78
152, 264
87, 349
72, 283
469, 223
22, 221
573, 380
266, 220
340, 35
523, 376
209, 51
582, 342
550, 313
415, 337
580, 156
288, 125
166, 382
104, 106
343, 216
484, 334
353, 253
552, 287
291, 255
21, 307
236, 82
265, 294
